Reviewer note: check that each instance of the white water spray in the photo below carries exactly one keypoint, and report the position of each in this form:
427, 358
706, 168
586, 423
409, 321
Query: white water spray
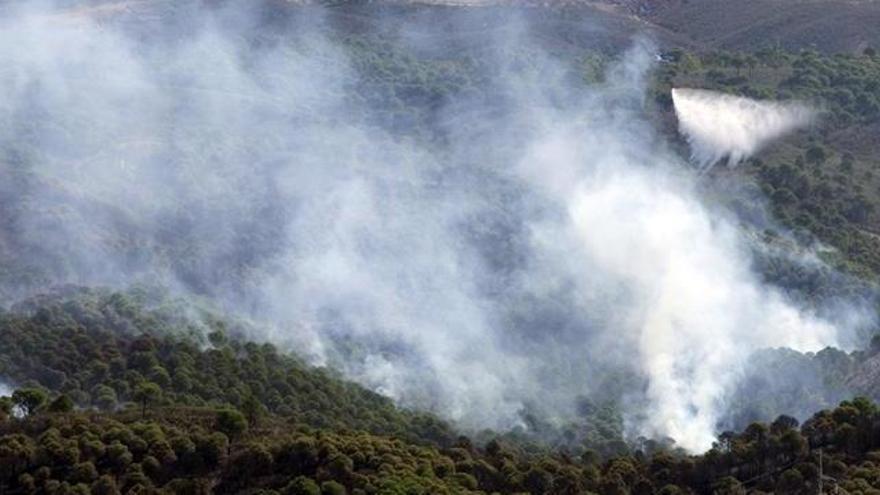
719, 126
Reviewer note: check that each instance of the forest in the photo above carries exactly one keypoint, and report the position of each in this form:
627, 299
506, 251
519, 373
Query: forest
143, 389
123, 393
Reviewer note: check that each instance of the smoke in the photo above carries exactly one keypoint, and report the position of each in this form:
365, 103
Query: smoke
678, 281
483, 239
719, 126
5, 390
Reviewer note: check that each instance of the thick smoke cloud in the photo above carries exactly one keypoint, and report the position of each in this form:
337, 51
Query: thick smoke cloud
545, 243
719, 126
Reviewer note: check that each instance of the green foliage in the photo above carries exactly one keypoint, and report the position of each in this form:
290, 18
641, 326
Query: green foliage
147, 399
105, 349
147, 393
6, 406
28, 400
302, 486
231, 422
61, 404
332, 488
822, 181
183, 445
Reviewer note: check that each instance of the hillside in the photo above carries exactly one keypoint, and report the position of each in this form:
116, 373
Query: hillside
830, 26
97, 347
565, 27
395, 248
128, 399
820, 181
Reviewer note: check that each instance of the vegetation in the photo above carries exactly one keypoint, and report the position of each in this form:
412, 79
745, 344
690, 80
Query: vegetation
104, 350
821, 183
120, 395
134, 393
828, 25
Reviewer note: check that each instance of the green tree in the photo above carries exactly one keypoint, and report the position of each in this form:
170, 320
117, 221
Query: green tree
85, 472
233, 424
28, 400
147, 393
302, 485
790, 481
332, 488
728, 486
118, 456
104, 397
816, 154
253, 409
751, 62
6, 406
62, 404
105, 485
16, 453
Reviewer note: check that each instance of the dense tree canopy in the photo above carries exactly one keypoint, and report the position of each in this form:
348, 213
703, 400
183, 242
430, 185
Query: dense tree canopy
230, 416
128, 392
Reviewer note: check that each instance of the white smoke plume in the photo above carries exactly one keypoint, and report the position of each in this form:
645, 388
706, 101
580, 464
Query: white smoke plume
719, 126
698, 311
638, 231
546, 243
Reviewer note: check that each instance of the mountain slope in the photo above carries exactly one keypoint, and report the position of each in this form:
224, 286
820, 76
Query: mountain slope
830, 26
96, 346
217, 414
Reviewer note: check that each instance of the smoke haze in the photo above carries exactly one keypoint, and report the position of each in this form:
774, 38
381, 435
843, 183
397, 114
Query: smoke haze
719, 126
542, 241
